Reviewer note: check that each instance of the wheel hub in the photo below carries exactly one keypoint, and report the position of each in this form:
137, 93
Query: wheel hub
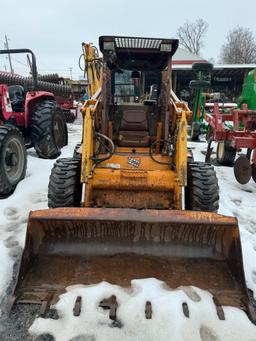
14, 159
221, 149
11, 159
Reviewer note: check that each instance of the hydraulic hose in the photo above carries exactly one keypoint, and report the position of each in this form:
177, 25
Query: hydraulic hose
157, 161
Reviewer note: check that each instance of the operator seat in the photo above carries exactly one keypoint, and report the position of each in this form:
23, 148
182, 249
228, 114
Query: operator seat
17, 97
134, 130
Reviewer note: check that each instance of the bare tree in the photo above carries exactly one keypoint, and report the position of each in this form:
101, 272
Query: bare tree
191, 35
240, 47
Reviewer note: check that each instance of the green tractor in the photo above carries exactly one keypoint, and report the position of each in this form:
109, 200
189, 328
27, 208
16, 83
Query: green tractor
248, 95
202, 82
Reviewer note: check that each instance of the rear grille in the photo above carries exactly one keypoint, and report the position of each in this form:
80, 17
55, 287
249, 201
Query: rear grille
137, 43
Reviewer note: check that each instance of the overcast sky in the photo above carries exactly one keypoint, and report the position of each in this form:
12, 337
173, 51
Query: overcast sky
54, 29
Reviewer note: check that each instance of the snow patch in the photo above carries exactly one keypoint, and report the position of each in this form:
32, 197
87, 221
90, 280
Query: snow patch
30, 194
6, 265
168, 320
239, 201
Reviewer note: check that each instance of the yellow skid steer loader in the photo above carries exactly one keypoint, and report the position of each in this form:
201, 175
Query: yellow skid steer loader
133, 203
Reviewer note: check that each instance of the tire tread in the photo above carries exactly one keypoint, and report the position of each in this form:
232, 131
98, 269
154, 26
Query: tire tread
202, 192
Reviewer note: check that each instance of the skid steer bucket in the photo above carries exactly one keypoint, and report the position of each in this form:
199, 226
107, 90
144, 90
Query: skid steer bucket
70, 246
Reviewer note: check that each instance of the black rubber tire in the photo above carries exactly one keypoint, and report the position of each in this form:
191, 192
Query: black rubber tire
254, 172
65, 189
202, 191
242, 170
76, 154
65, 135
202, 66
50, 78
226, 154
48, 129
11, 137
69, 116
195, 131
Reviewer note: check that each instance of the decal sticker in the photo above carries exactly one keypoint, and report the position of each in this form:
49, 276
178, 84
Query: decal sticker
133, 162
114, 165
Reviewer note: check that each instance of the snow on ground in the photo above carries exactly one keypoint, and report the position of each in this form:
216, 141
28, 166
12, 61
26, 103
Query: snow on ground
167, 323
30, 194
168, 320
239, 201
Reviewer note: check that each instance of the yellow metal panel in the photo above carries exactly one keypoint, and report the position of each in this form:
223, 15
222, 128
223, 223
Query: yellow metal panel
94, 71
133, 180
133, 199
181, 150
87, 148
182, 115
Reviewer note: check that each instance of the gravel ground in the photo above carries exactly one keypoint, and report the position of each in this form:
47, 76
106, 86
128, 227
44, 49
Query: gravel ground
14, 325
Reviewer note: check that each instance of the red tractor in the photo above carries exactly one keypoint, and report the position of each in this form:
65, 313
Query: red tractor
28, 117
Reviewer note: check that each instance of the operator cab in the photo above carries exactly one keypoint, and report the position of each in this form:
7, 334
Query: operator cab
134, 113
135, 95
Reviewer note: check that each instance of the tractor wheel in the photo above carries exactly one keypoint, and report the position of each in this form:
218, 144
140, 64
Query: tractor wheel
226, 153
65, 189
202, 192
69, 116
48, 129
195, 131
254, 172
13, 159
